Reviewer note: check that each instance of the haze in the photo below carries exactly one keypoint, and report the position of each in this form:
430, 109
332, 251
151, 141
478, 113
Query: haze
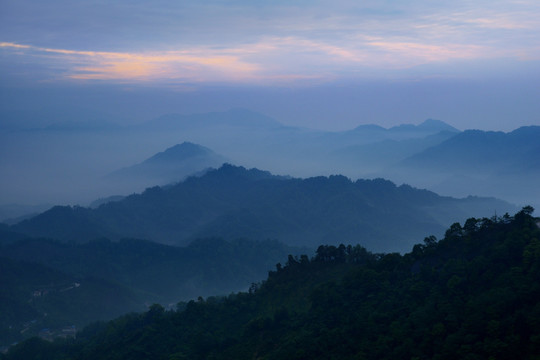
326, 65
321, 64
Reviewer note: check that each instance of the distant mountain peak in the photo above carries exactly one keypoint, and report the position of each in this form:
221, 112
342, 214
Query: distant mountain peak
180, 152
369, 127
167, 167
433, 124
429, 125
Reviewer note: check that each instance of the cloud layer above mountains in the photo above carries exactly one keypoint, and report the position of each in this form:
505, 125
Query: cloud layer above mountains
263, 42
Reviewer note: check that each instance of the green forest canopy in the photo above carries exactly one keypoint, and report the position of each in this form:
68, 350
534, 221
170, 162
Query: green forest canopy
472, 295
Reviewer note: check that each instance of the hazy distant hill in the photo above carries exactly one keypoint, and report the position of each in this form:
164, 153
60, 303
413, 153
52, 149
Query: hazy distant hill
255, 140
428, 126
481, 151
486, 163
73, 159
372, 134
233, 202
9, 213
375, 156
171, 165
366, 149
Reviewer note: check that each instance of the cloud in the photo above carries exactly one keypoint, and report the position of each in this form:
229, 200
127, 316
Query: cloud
12, 45
195, 65
401, 52
244, 42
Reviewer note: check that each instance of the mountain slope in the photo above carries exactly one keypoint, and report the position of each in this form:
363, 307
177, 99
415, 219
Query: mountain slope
34, 297
71, 166
113, 278
371, 134
157, 272
473, 295
375, 156
172, 165
506, 165
233, 202
475, 150
256, 140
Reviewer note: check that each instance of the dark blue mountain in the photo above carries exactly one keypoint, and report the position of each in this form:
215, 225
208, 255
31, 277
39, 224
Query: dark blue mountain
475, 150
233, 202
486, 163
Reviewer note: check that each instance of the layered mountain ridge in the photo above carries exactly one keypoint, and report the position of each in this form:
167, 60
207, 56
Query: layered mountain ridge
473, 294
233, 202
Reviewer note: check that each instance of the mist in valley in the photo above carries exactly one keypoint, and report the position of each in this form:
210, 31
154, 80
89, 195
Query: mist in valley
72, 164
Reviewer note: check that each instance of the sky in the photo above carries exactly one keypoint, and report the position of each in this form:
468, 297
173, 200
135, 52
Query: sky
321, 64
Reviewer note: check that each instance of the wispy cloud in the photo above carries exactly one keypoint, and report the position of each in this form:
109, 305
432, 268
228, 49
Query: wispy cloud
211, 42
180, 65
12, 45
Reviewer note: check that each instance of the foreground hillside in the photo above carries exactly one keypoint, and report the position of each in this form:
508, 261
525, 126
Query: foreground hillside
48, 286
36, 299
472, 295
233, 202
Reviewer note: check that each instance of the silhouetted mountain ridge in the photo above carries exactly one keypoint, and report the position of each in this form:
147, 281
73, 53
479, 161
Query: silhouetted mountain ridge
234, 202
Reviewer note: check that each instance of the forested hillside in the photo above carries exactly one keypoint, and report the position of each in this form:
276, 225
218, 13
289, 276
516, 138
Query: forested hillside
233, 202
36, 299
51, 285
472, 295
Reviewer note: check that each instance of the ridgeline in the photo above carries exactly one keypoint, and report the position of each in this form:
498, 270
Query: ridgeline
472, 295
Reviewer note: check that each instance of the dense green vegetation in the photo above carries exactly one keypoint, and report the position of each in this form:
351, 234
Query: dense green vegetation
233, 202
475, 294
34, 297
38, 277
